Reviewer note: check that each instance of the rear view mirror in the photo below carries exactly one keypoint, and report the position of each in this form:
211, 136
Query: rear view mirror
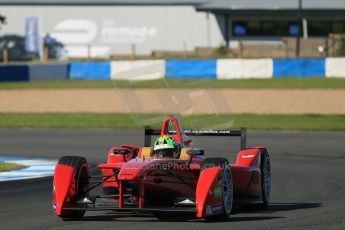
195, 152
121, 151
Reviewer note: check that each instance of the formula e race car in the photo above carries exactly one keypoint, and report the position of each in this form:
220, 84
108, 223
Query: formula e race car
137, 180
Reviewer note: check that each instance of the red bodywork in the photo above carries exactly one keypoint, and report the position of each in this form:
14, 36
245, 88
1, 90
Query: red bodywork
158, 184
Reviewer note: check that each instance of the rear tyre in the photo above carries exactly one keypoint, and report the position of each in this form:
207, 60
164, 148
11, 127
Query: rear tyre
265, 166
80, 180
227, 186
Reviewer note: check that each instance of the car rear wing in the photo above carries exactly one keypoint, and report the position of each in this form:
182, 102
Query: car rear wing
242, 133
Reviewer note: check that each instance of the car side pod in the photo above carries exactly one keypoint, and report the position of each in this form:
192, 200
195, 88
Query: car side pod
206, 198
63, 177
250, 157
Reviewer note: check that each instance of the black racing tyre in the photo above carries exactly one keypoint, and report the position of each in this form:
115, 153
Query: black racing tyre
227, 186
266, 184
81, 179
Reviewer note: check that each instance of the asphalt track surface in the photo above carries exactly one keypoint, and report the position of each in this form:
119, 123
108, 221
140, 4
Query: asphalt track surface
308, 181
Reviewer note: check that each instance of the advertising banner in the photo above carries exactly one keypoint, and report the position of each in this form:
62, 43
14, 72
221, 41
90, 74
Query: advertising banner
32, 35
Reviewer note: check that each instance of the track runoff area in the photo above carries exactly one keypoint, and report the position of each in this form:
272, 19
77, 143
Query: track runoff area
32, 168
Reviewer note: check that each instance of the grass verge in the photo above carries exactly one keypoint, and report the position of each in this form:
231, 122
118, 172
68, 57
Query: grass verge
107, 120
5, 167
284, 83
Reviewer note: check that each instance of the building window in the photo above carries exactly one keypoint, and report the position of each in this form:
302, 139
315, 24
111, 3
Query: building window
293, 29
264, 28
239, 29
318, 28
338, 27
286, 28
324, 28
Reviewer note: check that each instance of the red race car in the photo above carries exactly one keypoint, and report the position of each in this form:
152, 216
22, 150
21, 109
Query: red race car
145, 179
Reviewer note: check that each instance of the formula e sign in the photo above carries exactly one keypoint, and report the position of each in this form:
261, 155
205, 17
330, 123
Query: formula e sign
113, 33
78, 34
75, 31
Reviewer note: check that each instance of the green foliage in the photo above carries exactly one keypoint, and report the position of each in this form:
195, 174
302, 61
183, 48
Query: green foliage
4, 167
222, 51
341, 49
2, 20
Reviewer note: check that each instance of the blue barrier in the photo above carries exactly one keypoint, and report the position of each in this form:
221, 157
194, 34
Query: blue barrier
14, 73
191, 68
90, 70
299, 68
48, 72
179, 69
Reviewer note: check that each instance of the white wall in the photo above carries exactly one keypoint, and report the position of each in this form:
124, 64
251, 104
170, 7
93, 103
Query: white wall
335, 67
138, 70
244, 68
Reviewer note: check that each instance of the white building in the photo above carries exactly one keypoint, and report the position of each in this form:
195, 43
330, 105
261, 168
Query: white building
111, 27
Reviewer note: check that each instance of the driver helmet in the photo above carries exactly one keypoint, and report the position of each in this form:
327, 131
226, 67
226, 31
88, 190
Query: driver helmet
166, 147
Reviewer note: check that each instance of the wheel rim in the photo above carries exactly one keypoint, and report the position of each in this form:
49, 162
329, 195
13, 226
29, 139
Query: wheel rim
227, 190
267, 179
82, 181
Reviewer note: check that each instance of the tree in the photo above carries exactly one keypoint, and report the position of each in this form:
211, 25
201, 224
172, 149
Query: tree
341, 49
2, 20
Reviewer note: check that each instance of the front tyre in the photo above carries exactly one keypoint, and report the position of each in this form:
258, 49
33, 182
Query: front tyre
266, 183
227, 186
80, 182
228, 194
